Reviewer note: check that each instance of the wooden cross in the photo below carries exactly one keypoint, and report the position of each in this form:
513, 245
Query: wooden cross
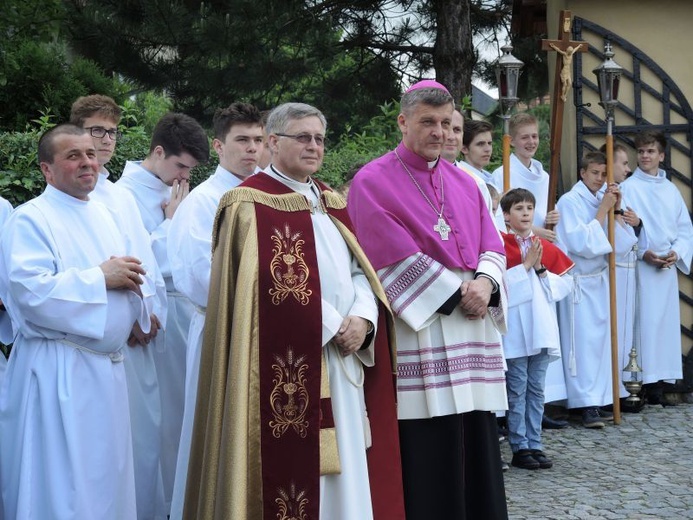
563, 82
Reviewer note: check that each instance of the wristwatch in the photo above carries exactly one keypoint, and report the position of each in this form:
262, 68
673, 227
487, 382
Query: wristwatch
541, 270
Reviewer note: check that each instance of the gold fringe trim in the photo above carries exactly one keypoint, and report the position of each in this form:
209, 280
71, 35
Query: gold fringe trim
334, 200
285, 202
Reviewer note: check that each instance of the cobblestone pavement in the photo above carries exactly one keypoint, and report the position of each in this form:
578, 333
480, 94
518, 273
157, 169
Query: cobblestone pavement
641, 469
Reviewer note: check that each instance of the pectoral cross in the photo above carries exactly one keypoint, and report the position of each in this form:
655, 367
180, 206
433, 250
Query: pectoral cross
442, 228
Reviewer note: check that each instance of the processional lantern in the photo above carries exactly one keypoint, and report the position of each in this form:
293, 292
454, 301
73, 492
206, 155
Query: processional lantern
508, 71
608, 80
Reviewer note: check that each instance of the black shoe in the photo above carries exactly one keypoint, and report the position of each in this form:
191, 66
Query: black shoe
591, 418
605, 415
543, 460
523, 459
547, 423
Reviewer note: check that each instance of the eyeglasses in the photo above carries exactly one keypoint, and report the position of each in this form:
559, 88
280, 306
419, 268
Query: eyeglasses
305, 138
99, 132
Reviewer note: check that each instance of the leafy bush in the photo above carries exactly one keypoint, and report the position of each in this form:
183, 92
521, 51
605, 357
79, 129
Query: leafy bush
354, 150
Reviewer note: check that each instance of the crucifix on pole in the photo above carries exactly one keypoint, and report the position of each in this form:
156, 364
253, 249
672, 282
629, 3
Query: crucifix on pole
563, 82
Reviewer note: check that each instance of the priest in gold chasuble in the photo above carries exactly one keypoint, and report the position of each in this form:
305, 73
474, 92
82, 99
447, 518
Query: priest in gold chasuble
295, 412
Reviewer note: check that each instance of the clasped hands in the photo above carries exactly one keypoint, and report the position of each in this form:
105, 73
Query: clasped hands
476, 295
351, 335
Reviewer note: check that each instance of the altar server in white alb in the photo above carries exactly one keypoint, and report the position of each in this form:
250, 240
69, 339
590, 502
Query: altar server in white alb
666, 223
100, 115
74, 295
238, 141
528, 173
584, 317
159, 183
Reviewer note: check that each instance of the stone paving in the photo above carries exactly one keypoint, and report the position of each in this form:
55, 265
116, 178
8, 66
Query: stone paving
641, 469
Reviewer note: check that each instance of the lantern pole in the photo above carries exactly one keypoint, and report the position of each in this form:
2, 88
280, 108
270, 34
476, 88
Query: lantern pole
608, 79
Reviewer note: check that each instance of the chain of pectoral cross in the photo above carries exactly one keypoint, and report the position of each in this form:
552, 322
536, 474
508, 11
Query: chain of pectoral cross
441, 227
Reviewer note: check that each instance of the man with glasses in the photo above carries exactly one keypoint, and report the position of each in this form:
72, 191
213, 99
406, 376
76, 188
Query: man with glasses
100, 115
159, 183
292, 415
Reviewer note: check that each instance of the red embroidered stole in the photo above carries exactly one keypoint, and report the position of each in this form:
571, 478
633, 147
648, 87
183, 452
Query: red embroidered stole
290, 339
552, 257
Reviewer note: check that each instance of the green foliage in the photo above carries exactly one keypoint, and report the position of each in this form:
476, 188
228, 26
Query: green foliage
45, 77
354, 149
20, 177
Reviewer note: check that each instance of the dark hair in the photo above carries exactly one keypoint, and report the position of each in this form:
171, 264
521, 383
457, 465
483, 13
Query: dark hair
515, 196
235, 113
473, 128
649, 137
592, 158
46, 151
177, 134
618, 147
428, 96
96, 104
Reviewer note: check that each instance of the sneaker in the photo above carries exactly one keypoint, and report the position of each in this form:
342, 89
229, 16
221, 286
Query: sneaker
543, 460
504, 466
523, 459
591, 418
605, 415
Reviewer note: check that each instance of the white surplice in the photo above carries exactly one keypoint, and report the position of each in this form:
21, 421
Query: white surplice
66, 450
534, 179
482, 177
190, 254
667, 226
584, 317
345, 291
140, 370
6, 333
169, 355
532, 322
446, 364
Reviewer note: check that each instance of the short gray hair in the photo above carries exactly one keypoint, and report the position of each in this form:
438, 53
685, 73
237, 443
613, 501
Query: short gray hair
428, 96
282, 115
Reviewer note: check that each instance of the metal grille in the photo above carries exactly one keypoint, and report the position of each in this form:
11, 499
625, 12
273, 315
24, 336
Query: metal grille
648, 99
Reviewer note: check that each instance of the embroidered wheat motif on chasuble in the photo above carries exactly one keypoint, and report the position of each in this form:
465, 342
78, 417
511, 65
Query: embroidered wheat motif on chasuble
289, 398
288, 268
292, 505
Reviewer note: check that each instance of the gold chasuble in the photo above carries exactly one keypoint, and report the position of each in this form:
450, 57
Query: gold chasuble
263, 430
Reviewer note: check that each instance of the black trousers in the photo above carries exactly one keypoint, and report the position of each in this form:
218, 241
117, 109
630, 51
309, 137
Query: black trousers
451, 468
